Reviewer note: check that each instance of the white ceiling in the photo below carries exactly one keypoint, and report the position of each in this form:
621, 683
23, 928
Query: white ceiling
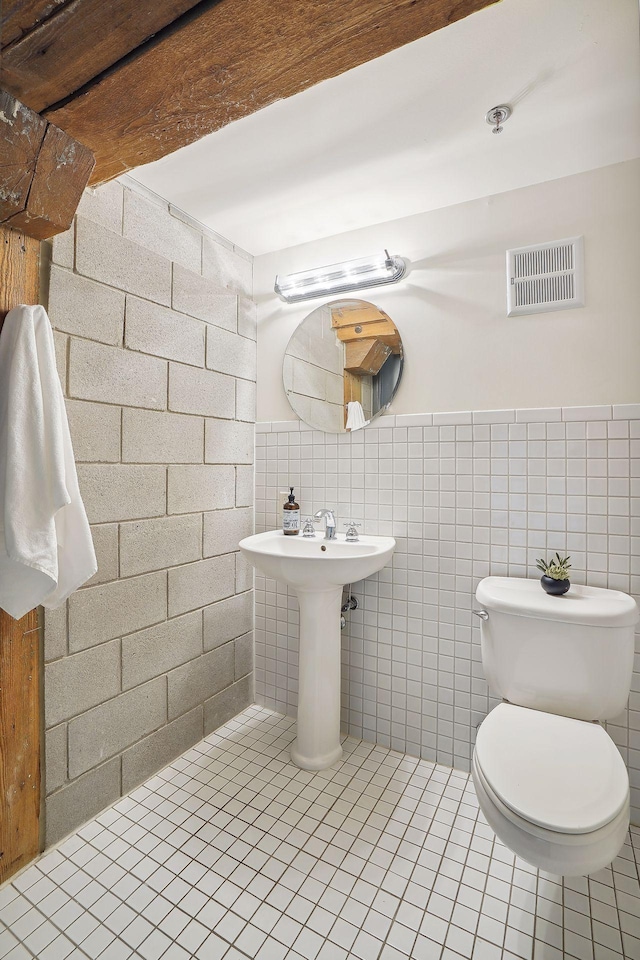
405, 133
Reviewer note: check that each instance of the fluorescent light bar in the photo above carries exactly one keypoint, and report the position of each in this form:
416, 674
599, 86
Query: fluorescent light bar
340, 277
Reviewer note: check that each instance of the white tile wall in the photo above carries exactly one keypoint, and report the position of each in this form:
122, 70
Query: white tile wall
465, 495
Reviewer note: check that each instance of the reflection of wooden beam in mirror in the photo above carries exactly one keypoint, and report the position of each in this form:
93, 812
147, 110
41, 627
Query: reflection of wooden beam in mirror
352, 391
352, 387
355, 311
353, 322
365, 357
369, 338
385, 331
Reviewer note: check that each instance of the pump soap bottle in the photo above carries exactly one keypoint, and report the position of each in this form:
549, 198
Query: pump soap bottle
291, 516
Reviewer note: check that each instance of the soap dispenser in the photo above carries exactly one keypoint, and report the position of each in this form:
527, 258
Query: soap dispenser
291, 516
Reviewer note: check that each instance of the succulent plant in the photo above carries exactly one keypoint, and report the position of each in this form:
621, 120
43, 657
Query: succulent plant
557, 568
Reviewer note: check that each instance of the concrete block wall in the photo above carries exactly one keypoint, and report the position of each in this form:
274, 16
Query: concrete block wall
155, 335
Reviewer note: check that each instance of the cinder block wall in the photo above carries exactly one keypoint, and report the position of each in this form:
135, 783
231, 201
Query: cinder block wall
155, 334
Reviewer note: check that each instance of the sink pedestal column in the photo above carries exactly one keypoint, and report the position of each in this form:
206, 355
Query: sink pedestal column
318, 742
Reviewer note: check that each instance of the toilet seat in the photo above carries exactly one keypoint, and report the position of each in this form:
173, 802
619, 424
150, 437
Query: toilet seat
550, 774
566, 854
555, 790
535, 833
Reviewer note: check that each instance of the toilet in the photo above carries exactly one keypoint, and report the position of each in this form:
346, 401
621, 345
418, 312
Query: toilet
549, 779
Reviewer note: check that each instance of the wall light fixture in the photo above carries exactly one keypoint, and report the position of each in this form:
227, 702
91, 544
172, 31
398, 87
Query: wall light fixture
340, 277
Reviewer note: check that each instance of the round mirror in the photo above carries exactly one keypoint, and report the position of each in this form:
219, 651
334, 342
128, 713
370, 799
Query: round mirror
342, 365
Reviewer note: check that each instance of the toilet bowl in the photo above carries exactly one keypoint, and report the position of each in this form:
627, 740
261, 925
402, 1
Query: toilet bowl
550, 781
555, 790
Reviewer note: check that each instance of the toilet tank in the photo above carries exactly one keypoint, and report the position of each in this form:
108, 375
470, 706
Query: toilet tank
570, 655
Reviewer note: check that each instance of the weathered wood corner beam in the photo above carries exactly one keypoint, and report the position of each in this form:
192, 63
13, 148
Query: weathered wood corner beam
43, 171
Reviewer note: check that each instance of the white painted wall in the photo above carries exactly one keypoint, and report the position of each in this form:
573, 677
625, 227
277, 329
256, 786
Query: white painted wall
463, 353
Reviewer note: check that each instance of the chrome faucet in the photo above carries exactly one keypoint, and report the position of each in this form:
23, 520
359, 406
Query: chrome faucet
329, 521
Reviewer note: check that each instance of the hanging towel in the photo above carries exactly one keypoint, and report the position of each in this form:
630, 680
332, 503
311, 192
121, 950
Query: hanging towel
46, 550
355, 416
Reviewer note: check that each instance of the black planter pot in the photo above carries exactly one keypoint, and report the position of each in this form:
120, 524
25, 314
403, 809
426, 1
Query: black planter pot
556, 588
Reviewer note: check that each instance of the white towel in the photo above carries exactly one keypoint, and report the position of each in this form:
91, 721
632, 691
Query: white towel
355, 416
46, 550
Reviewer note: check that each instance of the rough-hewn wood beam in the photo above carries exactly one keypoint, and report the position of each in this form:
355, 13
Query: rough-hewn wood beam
17, 17
21, 136
43, 171
229, 62
79, 41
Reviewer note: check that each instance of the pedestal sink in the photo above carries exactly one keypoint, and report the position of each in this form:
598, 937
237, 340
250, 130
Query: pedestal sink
317, 569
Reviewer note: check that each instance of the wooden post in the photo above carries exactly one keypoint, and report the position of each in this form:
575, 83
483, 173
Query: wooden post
20, 738
19, 270
42, 176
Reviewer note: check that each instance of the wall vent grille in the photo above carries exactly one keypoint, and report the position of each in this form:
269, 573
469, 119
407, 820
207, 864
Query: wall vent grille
545, 277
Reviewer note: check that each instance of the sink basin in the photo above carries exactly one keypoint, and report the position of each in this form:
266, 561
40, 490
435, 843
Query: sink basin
316, 563
317, 570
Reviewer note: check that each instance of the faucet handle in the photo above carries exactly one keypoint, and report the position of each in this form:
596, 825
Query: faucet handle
352, 532
308, 529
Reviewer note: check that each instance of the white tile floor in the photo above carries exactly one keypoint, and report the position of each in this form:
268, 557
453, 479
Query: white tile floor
234, 852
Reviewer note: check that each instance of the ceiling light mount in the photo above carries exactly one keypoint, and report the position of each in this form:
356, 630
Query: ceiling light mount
497, 116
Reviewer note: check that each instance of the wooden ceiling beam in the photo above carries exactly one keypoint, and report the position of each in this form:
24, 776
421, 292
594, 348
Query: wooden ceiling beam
17, 17
43, 172
231, 60
77, 42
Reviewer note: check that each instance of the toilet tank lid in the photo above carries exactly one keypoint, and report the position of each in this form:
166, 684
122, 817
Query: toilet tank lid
591, 606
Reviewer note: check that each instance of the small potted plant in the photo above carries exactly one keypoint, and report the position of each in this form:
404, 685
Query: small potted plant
555, 578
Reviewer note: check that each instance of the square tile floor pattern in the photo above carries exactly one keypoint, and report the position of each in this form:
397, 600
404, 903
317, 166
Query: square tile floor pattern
233, 852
